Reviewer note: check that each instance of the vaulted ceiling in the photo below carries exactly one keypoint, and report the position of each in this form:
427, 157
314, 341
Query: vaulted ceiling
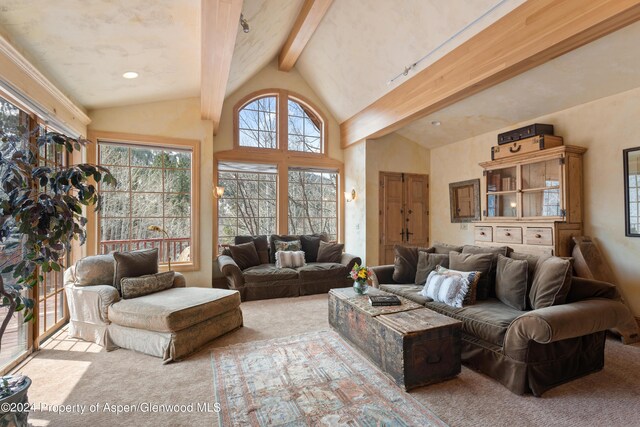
84, 47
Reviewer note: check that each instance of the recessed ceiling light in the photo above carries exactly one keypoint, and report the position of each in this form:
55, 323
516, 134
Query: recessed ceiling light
436, 122
130, 75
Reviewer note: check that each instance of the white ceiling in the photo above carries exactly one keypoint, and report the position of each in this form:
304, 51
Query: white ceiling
356, 50
85, 46
604, 67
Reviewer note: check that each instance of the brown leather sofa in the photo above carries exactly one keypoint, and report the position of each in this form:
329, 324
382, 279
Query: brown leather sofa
534, 350
266, 281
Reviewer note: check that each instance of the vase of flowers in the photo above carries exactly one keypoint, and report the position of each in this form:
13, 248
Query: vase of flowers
360, 275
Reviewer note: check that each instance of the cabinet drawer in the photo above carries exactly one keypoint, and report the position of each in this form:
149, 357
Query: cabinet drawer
484, 234
508, 235
539, 236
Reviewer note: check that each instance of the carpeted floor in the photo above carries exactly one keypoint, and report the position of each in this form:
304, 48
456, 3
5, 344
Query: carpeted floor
72, 372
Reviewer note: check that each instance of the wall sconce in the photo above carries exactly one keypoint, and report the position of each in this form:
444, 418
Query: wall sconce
350, 196
218, 192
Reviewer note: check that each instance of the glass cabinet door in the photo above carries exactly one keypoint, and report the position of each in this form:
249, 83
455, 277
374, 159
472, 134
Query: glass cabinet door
541, 189
502, 186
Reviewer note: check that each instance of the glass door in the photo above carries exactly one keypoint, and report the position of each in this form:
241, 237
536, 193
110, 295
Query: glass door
16, 341
541, 189
52, 313
502, 193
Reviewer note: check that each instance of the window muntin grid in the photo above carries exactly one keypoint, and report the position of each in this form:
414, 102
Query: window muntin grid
154, 188
313, 202
249, 203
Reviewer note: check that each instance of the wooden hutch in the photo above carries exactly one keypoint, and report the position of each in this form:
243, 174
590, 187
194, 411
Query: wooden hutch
533, 202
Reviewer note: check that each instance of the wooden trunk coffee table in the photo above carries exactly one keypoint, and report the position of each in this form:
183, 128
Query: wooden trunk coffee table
415, 346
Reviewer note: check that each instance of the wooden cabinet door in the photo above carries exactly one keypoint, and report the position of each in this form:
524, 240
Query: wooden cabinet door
391, 215
404, 212
417, 210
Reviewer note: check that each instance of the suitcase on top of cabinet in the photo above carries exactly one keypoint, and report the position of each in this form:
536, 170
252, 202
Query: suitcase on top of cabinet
524, 132
527, 145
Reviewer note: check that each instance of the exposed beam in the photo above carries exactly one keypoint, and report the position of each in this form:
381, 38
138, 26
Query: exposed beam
310, 16
219, 26
530, 35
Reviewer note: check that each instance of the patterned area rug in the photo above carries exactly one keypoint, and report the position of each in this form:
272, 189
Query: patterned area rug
308, 379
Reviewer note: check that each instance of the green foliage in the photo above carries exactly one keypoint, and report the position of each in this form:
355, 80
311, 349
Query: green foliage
41, 209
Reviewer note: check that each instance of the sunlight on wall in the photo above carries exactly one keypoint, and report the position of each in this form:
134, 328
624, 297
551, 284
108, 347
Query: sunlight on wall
605, 127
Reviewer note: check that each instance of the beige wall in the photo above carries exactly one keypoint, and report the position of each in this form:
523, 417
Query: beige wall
605, 127
355, 163
177, 119
391, 153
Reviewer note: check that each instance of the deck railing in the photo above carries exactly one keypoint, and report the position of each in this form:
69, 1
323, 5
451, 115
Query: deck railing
166, 247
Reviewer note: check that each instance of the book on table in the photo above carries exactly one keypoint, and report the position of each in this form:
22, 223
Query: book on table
381, 300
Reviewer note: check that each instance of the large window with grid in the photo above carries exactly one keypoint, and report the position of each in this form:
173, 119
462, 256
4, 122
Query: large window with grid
151, 206
279, 178
313, 203
248, 206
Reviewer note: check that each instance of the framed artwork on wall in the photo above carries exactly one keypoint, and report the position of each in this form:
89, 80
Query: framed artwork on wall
631, 162
464, 197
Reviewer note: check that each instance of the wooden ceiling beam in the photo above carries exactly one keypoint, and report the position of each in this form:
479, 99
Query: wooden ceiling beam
308, 19
219, 27
530, 35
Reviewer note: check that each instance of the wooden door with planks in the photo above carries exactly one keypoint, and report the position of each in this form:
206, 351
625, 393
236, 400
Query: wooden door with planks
404, 212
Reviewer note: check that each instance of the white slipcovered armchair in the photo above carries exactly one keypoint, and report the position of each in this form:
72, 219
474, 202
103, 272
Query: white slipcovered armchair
169, 324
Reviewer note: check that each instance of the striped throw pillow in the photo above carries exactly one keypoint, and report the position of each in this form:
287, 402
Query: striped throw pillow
451, 287
289, 259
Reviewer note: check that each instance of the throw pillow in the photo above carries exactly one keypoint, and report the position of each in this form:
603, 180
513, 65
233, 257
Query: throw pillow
474, 262
444, 248
245, 255
532, 261
272, 244
487, 287
262, 246
427, 263
94, 270
330, 252
293, 245
133, 287
405, 263
289, 259
450, 287
511, 282
551, 284
134, 264
311, 245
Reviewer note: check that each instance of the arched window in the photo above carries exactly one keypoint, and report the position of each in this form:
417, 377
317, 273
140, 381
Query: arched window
278, 179
258, 123
304, 128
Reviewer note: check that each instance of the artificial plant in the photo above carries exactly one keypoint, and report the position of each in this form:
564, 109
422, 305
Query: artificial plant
41, 211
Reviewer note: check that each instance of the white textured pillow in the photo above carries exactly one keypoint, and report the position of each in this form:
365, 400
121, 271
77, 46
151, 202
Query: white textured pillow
449, 286
289, 259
